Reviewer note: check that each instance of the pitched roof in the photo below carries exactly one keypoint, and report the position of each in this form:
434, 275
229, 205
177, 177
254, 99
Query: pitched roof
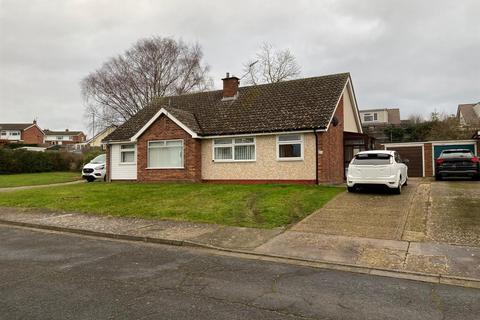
285, 106
468, 113
66, 133
15, 126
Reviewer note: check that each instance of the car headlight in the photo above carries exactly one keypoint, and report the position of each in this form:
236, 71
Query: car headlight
100, 167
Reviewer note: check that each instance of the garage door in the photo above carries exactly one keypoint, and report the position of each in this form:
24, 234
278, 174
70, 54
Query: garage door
438, 149
414, 155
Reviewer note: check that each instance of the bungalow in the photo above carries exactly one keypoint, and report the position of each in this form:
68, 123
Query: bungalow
26, 133
298, 131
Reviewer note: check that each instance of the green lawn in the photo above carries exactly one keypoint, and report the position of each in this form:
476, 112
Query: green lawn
32, 179
263, 206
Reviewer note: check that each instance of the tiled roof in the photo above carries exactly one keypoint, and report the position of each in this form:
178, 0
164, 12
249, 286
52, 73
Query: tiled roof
14, 126
285, 106
468, 113
66, 133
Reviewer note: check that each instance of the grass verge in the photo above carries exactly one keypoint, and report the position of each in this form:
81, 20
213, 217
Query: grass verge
33, 179
262, 206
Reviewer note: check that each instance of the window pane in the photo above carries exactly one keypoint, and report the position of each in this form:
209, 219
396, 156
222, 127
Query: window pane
245, 152
290, 150
244, 140
222, 141
174, 143
289, 137
128, 156
156, 144
168, 157
223, 153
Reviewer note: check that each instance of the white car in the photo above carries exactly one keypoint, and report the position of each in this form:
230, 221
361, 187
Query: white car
377, 167
95, 169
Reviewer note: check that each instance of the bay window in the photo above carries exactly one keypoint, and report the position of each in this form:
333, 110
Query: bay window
165, 154
290, 147
234, 149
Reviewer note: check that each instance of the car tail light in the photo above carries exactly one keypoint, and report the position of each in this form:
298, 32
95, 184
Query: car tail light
475, 160
439, 161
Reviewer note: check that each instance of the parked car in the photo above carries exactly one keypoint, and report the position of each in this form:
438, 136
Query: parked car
457, 163
95, 169
377, 167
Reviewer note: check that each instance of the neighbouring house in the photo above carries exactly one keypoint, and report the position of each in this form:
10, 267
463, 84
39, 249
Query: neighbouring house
96, 141
376, 122
298, 131
469, 115
26, 133
66, 137
384, 116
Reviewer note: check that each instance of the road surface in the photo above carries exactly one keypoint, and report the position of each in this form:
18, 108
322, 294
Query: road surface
46, 275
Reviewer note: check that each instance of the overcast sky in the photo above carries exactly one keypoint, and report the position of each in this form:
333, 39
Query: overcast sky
419, 56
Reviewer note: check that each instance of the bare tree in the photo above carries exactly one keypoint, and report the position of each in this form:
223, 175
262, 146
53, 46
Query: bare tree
152, 67
271, 66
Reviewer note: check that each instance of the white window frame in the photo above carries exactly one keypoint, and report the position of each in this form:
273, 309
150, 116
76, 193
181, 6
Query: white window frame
165, 141
128, 150
232, 146
302, 149
368, 115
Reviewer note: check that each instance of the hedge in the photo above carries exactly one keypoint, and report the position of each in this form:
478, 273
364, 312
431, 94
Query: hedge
23, 161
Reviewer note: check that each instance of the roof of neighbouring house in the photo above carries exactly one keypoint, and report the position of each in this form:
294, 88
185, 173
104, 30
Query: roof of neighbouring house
66, 133
300, 104
468, 113
15, 126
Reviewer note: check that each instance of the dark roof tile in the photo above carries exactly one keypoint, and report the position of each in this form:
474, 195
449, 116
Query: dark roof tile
285, 106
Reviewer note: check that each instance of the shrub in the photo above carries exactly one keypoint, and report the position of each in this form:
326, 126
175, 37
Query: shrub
92, 153
23, 161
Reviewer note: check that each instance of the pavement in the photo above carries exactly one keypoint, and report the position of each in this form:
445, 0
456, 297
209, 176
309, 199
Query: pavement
430, 232
53, 275
9, 189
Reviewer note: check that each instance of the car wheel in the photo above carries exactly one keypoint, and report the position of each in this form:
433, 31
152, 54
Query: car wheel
351, 189
90, 179
398, 190
406, 182
105, 178
438, 177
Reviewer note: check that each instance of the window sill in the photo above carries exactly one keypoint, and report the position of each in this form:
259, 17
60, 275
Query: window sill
289, 159
165, 168
127, 163
232, 161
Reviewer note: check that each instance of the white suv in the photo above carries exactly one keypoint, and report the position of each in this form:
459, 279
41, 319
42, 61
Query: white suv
377, 167
95, 169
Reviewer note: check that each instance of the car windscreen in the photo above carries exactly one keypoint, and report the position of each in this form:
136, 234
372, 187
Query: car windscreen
446, 154
372, 159
99, 159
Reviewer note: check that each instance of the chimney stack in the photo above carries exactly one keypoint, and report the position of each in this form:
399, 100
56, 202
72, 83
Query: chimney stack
66, 130
230, 87
34, 121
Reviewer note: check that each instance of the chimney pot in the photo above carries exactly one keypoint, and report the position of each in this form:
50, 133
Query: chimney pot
230, 87
66, 130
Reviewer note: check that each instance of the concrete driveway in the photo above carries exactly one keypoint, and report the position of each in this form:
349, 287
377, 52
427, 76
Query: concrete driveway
369, 213
446, 211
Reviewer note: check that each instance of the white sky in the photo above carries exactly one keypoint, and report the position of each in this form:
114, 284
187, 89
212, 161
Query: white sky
419, 56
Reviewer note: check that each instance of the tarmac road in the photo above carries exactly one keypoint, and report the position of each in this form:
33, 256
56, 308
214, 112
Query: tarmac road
45, 275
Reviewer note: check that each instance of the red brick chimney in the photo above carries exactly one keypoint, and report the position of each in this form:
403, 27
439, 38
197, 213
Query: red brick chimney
230, 87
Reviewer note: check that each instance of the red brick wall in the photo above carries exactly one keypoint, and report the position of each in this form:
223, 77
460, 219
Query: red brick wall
32, 135
79, 138
108, 153
330, 162
165, 129
428, 159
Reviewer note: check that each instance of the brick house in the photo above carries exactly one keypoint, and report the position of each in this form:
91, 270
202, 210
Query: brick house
289, 132
65, 137
26, 133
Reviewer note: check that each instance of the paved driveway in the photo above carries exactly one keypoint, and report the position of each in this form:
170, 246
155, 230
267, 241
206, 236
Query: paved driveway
446, 211
370, 213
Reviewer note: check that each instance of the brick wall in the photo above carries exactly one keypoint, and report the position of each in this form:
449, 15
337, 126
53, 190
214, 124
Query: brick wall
428, 159
32, 135
165, 129
79, 138
331, 162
